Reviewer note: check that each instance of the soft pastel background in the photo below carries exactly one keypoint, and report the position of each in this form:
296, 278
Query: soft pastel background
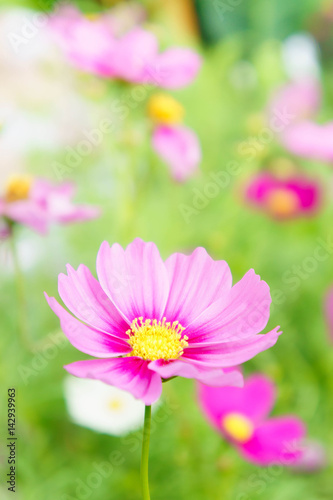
48, 107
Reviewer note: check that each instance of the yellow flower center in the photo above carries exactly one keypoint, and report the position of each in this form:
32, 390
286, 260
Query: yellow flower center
163, 108
152, 339
18, 188
238, 427
115, 405
282, 202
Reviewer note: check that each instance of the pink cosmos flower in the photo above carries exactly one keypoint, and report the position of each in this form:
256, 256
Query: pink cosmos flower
310, 140
38, 203
179, 147
148, 320
284, 198
294, 103
93, 46
293, 110
313, 457
241, 416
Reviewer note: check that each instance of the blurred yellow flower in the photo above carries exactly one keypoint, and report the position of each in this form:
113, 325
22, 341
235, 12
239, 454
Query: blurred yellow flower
18, 188
163, 108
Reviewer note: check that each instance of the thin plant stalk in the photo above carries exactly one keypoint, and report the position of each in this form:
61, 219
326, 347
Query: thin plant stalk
145, 454
21, 299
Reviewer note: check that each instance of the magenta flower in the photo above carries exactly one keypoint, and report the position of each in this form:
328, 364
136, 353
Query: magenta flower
241, 416
92, 45
179, 147
37, 203
149, 320
284, 198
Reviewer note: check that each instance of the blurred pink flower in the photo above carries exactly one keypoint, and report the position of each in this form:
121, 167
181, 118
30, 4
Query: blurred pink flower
241, 416
313, 457
292, 112
88, 44
152, 320
38, 203
179, 147
92, 46
293, 103
284, 198
310, 140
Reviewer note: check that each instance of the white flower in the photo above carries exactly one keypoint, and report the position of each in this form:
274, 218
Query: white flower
41, 110
300, 54
101, 407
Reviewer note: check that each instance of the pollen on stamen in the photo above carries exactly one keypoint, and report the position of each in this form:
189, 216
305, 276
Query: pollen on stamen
152, 339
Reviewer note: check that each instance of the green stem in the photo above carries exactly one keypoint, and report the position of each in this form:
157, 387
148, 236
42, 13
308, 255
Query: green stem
22, 316
145, 454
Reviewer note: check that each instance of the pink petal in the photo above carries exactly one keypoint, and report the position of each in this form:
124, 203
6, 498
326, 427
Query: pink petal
135, 280
310, 140
329, 311
174, 68
133, 52
86, 339
260, 185
230, 353
27, 213
178, 368
42, 189
240, 315
313, 457
295, 102
72, 30
255, 400
57, 201
85, 298
179, 147
309, 193
277, 441
129, 374
195, 282
77, 213
47, 204
258, 397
